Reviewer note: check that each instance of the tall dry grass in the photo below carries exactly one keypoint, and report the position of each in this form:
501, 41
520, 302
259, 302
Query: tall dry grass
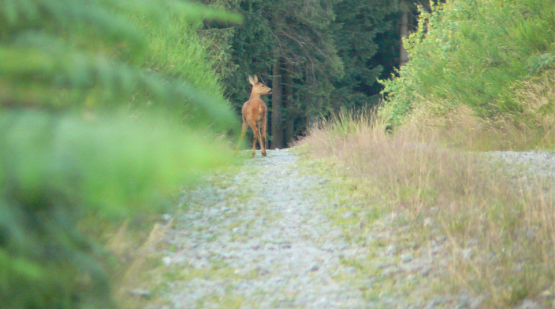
506, 225
458, 126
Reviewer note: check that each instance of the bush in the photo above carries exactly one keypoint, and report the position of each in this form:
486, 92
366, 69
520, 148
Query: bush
473, 53
93, 122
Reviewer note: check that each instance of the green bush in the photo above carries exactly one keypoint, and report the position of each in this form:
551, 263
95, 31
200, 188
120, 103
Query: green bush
95, 120
472, 53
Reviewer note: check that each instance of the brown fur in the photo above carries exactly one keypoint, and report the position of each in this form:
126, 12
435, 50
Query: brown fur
254, 114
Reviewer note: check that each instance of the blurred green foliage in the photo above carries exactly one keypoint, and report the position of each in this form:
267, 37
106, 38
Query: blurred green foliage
473, 53
104, 107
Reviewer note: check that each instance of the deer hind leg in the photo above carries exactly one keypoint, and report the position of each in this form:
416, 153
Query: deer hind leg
262, 148
263, 137
255, 135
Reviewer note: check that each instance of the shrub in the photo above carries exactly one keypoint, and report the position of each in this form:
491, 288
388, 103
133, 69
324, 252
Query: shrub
90, 124
473, 53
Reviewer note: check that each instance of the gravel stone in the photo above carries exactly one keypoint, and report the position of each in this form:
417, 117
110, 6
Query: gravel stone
140, 293
529, 304
390, 250
407, 257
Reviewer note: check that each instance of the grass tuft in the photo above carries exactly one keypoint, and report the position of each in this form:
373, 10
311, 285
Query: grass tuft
499, 227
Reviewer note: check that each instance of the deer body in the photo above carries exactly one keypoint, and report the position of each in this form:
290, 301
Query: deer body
254, 115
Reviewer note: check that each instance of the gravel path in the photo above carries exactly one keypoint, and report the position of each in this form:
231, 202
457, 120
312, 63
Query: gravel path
261, 237
531, 170
527, 163
256, 240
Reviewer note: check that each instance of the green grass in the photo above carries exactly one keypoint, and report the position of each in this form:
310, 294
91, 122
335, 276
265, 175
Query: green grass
176, 50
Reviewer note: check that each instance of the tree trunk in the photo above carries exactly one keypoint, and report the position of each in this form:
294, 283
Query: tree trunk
427, 6
404, 35
277, 123
289, 108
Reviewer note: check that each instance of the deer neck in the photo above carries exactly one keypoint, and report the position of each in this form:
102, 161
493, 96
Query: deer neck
254, 95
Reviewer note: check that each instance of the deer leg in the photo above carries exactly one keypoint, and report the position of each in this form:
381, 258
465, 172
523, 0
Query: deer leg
263, 137
243, 131
262, 149
255, 137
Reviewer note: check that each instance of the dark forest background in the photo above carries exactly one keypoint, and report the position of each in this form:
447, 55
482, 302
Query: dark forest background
317, 56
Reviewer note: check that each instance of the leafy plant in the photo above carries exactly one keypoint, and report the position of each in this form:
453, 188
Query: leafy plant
472, 53
92, 122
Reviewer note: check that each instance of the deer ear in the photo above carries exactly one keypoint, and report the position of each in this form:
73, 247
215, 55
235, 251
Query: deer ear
251, 80
255, 79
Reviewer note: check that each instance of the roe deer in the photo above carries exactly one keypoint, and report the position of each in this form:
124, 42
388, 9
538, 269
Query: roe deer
254, 114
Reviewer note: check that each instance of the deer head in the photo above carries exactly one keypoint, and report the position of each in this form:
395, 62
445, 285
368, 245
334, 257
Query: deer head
258, 88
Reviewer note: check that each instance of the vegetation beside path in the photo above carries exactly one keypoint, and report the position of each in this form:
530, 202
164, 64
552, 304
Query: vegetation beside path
495, 224
100, 123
